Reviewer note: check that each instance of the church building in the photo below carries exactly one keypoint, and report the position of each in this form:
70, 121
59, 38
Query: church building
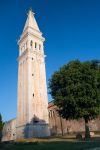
35, 117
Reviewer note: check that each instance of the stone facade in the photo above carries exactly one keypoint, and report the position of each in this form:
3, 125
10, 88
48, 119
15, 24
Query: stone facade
32, 112
59, 125
9, 130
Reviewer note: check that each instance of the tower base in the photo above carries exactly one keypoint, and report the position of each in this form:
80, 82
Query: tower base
33, 131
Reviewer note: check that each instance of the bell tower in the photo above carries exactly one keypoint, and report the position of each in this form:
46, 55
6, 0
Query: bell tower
32, 107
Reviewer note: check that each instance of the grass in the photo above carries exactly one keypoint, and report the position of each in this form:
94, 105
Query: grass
53, 145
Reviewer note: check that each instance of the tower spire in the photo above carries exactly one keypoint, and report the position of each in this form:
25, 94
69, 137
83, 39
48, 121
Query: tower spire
31, 21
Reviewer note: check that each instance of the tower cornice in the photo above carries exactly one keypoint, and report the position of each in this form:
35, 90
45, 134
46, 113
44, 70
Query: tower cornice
32, 34
41, 55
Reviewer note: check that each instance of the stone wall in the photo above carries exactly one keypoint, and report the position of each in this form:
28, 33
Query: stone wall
59, 125
9, 130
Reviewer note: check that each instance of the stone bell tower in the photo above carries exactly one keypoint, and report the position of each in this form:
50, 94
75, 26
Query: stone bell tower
32, 112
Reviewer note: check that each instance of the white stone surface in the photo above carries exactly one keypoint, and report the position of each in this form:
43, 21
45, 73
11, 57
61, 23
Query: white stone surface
9, 130
32, 103
32, 90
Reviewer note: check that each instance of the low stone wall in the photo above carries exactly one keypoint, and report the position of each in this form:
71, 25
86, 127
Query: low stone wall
59, 125
9, 130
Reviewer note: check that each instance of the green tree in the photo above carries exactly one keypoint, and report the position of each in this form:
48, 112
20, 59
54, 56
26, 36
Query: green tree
1, 126
75, 88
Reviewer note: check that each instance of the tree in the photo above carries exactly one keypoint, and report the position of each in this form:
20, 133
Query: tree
75, 88
1, 126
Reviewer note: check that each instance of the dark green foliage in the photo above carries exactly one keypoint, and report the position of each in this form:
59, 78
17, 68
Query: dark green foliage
75, 89
1, 126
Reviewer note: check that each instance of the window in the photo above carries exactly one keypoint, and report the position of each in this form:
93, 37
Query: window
26, 44
31, 43
35, 45
33, 94
39, 47
53, 113
49, 114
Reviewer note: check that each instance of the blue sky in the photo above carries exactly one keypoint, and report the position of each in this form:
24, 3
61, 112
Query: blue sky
71, 29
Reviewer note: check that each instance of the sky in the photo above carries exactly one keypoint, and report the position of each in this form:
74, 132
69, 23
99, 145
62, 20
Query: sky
71, 29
